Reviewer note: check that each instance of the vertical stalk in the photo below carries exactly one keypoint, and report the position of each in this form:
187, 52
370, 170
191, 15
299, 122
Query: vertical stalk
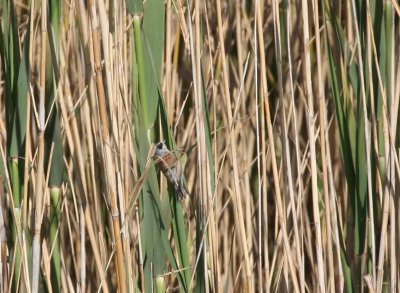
16, 228
53, 150
140, 62
237, 196
261, 198
295, 132
271, 141
107, 159
39, 193
263, 207
203, 207
313, 157
284, 136
55, 216
322, 121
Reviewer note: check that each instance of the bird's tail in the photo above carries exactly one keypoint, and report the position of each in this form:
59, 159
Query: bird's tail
180, 191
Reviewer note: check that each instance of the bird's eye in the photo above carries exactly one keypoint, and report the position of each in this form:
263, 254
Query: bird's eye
159, 145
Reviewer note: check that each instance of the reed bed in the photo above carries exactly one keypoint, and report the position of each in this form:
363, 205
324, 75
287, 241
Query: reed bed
282, 114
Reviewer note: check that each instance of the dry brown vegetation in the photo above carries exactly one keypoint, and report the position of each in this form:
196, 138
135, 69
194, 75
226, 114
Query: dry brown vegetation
284, 114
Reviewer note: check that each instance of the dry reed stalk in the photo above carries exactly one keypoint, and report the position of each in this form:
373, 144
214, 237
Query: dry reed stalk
295, 133
40, 190
263, 230
322, 119
285, 143
237, 194
28, 158
271, 139
75, 145
107, 159
312, 141
202, 158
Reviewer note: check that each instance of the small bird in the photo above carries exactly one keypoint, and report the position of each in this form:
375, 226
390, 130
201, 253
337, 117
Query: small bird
171, 168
